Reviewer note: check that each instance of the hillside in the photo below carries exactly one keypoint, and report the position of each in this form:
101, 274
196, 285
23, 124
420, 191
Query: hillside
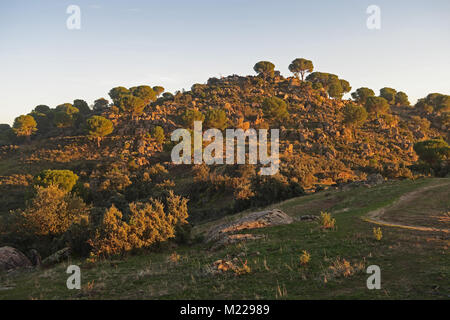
318, 147
336, 269
98, 186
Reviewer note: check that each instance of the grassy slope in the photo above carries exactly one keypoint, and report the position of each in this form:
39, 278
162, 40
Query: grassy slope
413, 264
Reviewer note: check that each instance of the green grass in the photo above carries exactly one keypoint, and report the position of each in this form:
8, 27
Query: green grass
414, 264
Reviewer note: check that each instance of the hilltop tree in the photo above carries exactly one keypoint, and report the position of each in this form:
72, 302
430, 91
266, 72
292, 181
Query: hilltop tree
217, 118
63, 179
334, 86
62, 119
133, 105
117, 93
24, 126
301, 66
100, 104
335, 90
434, 101
345, 85
5, 133
43, 121
401, 99
432, 151
145, 93
42, 109
361, 94
82, 106
377, 105
264, 68
99, 127
388, 94
67, 108
158, 90
274, 109
354, 115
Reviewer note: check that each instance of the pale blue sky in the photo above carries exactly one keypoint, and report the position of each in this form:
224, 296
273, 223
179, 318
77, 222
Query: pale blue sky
178, 43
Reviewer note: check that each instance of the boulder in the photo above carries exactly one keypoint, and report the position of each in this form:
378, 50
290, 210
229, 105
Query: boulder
374, 179
11, 258
253, 220
57, 257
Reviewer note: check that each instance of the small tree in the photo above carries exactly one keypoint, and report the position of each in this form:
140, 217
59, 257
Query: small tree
63, 179
361, 94
401, 99
133, 105
62, 119
100, 104
377, 105
217, 118
82, 106
274, 109
335, 90
24, 126
158, 134
145, 93
354, 115
117, 93
42, 109
388, 94
432, 151
99, 127
264, 68
301, 66
191, 115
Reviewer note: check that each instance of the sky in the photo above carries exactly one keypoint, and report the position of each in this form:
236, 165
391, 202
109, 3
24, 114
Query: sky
176, 43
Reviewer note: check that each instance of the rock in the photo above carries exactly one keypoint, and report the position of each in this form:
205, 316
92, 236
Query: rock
374, 179
307, 217
57, 257
224, 234
11, 258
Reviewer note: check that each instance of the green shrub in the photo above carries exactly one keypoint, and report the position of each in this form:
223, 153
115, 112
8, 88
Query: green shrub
63, 179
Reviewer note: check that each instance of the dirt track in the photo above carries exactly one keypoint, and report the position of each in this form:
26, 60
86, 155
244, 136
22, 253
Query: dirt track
376, 215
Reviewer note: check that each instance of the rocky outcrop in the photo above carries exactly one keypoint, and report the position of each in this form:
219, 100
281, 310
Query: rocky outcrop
57, 257
226, 233
11, 258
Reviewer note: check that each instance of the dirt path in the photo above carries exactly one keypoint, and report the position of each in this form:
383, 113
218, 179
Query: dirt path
376, 215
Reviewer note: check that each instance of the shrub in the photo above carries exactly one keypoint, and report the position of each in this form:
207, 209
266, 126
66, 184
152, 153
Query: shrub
354, 115
51, 212
99, 127
432, 151
377, 105
326, 221
378, 234
305, 258
158, 134
274, 109
63, 179
149, 223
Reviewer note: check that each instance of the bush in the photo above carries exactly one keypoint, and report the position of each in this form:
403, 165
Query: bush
63, 179
326, 221
274, 109
51, 212
354, 115
149, 223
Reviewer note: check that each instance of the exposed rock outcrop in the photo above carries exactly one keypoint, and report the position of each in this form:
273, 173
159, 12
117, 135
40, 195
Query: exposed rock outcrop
226, 233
